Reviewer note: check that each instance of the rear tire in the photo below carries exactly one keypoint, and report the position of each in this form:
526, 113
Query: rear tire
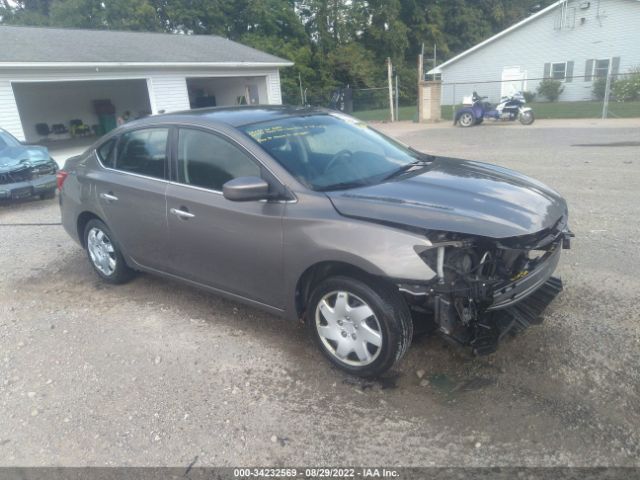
526, 118
467, 120
362, 328
104, 253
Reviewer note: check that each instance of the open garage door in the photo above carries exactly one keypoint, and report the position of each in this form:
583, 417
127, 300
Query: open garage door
227, 91
57, 111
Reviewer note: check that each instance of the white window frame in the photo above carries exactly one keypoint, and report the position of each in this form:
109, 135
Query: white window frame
564, 76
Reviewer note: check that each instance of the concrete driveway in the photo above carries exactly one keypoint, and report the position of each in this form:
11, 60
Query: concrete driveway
61, 150
157, 373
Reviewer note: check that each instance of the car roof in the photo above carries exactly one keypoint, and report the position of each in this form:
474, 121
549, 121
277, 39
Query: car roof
234, 116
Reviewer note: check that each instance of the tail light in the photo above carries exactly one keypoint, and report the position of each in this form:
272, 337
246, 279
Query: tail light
61, 176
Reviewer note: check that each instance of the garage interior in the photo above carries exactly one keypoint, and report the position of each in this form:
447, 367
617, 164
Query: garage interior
77, 109
226, 91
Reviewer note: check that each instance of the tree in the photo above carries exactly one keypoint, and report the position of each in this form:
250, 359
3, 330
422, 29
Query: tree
331, 42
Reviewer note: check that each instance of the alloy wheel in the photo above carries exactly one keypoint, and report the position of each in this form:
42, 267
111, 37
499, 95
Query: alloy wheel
466, 120
101, 251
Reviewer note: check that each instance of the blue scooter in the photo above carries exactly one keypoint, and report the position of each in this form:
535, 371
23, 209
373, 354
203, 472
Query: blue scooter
510, 108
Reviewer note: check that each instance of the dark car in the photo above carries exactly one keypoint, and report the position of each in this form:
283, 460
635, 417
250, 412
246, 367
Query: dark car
25, 170
315, 216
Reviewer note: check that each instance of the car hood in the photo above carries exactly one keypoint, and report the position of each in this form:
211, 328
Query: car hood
457, 196
17, 157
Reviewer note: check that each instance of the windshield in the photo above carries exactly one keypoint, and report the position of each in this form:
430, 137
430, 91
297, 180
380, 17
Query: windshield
330, 152
7, 140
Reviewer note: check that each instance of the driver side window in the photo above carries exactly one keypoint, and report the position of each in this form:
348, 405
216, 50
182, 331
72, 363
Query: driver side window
209, 161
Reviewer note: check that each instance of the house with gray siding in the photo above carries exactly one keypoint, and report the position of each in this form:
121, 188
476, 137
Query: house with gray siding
52, 79
574, 41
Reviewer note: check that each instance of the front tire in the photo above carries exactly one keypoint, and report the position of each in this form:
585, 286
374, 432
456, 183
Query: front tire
526, 118
104, 254
362, 328
467, 120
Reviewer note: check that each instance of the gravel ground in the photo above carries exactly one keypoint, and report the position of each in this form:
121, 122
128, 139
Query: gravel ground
156, 373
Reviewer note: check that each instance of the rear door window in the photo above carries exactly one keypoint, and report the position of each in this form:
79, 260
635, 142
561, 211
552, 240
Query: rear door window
106, 152
143, 152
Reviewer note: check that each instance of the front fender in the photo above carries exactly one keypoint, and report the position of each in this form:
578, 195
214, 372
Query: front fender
377, 249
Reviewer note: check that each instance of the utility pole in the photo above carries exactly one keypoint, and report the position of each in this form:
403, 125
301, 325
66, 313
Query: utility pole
389, 80
420, 95
607, 92
397, 96
301, 91
435, 55
421, 65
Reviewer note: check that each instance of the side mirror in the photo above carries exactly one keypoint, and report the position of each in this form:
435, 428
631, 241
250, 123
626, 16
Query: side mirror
246, 189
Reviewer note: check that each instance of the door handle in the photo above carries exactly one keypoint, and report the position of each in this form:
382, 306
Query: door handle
108, 197
181, 213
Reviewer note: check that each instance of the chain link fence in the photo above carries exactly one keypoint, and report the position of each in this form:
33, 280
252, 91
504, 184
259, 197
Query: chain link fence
606, 96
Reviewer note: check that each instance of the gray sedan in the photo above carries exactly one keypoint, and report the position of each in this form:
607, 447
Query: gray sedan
314, 215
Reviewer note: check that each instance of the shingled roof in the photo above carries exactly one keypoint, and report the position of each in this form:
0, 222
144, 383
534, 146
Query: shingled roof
65, 45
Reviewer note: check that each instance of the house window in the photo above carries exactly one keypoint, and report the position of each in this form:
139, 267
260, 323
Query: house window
601, 68
559, 71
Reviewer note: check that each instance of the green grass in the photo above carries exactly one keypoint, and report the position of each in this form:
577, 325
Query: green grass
406, 113
542, 110
570, 110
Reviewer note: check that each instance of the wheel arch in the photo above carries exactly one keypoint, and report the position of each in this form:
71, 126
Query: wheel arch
84, 218
322, 270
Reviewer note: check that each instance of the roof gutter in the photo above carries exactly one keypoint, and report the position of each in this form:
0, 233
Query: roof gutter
145, 64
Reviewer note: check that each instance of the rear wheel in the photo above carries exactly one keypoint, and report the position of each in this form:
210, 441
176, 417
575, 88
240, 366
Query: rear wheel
466, 120
526, 118
363, 328
104, 253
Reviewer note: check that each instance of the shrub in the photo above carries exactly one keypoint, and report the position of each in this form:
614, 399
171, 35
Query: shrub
599, 86
550, 89
529, 96
627, 89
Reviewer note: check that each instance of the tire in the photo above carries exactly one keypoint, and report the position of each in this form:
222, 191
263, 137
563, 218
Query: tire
350, 343
104, 253
48, 195
466, 120
527, 118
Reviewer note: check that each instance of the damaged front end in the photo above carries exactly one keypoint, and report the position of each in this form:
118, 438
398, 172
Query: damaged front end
485, 288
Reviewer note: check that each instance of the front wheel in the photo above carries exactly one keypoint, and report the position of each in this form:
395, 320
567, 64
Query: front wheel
363, 328
526, 118
466, 120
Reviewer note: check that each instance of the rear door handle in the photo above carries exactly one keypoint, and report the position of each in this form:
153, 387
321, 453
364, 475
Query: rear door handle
181, 213
108, 197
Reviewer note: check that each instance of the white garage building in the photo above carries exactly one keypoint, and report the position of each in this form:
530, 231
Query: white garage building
67, 77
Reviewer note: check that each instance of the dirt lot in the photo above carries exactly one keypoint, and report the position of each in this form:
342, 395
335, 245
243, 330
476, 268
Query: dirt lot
156, 373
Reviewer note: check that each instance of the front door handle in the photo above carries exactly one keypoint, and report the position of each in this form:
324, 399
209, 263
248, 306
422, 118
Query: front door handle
181, 213
109, 197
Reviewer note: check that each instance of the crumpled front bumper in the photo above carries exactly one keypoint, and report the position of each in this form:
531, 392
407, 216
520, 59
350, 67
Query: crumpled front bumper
516, 291
27, 188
